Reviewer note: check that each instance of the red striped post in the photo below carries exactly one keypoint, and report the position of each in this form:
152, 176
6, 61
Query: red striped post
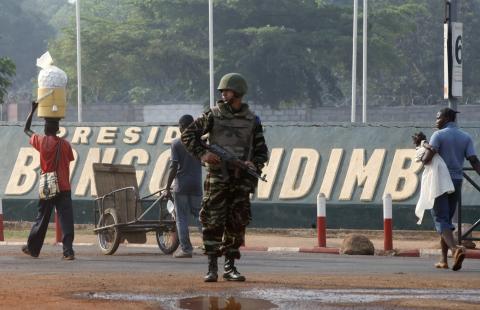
387, 222
321, 223
1, 221
58, 229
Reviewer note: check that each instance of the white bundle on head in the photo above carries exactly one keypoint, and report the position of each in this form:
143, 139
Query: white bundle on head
51, 93
50, 76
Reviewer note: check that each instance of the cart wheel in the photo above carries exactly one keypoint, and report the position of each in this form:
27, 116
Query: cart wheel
168, 241
108, 239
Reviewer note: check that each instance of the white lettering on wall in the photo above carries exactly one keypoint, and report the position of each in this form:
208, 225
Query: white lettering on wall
296, 185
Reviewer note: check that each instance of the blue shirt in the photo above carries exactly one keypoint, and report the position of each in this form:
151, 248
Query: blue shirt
189, 173
453, 145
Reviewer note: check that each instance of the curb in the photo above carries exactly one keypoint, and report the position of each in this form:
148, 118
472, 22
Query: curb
323, 250
408, 253
475, 254
470, 254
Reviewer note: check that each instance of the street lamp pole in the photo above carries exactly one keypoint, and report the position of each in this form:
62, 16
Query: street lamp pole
354, 61
210, 52
79, 63
364, 79
451, 8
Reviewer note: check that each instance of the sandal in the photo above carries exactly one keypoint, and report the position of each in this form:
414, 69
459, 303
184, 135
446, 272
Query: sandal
441, 265
458, 257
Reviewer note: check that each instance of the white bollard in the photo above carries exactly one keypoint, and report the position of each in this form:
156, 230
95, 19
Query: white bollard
387, 222
1, 221
321, 223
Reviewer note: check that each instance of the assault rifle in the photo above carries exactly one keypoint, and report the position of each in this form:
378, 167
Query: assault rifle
228, 158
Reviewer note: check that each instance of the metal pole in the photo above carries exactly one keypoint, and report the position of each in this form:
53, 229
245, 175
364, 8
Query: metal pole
451, 8
452, 101
354, 60
79, 63
364, 78
210, 52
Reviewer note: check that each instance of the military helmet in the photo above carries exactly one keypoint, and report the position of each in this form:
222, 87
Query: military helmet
235, 82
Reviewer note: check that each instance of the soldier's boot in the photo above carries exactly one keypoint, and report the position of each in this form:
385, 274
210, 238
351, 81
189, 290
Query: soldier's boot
231, 273
212, 274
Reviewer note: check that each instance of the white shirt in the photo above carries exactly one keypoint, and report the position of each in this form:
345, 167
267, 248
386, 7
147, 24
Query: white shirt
436, 181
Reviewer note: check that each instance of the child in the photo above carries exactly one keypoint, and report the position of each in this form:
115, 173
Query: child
435, 177
421, 144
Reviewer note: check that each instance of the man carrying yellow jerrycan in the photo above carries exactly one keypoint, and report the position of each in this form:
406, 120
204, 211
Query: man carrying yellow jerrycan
55, 157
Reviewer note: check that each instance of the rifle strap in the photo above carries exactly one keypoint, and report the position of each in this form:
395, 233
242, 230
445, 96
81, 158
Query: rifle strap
252, 137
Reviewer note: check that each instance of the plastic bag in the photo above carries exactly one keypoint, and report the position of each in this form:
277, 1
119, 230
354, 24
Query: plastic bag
50, 76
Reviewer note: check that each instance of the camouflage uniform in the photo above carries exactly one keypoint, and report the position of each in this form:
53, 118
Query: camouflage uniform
226, 204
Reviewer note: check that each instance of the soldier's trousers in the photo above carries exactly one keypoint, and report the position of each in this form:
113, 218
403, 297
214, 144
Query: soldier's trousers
225, 214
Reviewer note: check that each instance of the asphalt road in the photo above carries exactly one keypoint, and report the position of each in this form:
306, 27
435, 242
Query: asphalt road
89, 259
134, 278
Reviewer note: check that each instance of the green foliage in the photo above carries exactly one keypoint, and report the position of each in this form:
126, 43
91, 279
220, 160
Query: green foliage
471, 45
162, 46
287, 50
291, 52
7, 70
57, 13
129, 46
23, 38
403, 43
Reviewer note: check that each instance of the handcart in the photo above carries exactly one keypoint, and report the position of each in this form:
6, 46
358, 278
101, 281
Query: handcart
121, 215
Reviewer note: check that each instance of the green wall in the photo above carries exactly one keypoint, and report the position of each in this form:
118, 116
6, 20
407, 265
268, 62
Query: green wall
354, 164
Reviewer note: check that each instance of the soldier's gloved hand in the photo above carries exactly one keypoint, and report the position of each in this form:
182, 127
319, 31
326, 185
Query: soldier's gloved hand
210, 158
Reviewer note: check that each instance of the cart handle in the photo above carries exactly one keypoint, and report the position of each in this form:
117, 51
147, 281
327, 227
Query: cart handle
153, 194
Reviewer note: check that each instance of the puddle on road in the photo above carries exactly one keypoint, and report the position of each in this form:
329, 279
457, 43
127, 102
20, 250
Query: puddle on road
272, 298
360, 296
190, 303
221, 303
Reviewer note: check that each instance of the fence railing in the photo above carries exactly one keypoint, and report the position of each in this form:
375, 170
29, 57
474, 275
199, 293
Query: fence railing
464, 236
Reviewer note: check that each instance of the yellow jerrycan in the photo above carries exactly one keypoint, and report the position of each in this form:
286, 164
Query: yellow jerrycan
51, 94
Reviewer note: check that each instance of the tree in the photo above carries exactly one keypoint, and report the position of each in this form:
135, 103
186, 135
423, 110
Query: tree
23, 39
57, 13
140, 56
469, 14
159, 49
7, 71
291, 52
405, 44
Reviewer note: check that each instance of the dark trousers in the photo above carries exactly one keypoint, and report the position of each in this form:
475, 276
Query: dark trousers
445, 206
63, 205
225, 214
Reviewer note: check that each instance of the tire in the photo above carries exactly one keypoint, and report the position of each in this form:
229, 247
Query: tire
168, 241
108, 239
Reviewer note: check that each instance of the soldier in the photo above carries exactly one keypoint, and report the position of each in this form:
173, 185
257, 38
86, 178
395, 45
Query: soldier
225, 209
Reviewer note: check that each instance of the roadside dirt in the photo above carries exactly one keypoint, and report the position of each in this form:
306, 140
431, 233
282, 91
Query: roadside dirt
61, 290
265, 237
49, 291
